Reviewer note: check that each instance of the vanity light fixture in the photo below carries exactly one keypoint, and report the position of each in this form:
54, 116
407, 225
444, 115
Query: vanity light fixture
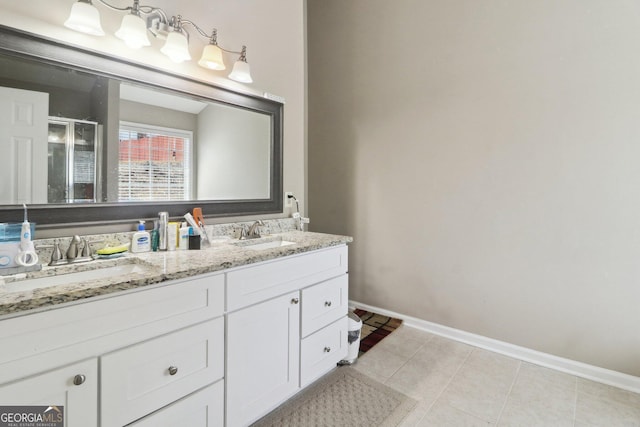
212, 54
85, 18
134, 29
241, 72
177, 45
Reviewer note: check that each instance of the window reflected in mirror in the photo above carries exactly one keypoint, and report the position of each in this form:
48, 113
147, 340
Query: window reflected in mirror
154, 163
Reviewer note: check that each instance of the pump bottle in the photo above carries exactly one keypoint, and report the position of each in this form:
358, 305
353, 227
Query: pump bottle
141, 240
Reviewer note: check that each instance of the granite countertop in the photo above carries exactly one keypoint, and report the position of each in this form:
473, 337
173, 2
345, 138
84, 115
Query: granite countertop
153, 268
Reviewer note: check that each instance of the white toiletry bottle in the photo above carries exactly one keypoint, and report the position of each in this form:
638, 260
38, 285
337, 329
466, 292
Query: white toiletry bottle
183, 241
141, 240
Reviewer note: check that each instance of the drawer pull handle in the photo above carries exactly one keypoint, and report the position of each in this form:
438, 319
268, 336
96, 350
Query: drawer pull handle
327, 349
173, 370
294, 300
79, 379
327, 303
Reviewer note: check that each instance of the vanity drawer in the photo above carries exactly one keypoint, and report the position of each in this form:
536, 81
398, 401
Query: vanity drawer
204, 408
140, 379
324, 303
320, 352
250, 285
33, 342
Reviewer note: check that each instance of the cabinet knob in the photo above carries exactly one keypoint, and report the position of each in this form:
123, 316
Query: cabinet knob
173, 370
327, 303
295, 300
79, 379
327, 349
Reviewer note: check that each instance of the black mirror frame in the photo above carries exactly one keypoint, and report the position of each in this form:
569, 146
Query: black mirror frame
26, 45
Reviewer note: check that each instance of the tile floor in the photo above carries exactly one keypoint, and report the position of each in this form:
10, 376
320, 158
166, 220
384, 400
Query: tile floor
459, 385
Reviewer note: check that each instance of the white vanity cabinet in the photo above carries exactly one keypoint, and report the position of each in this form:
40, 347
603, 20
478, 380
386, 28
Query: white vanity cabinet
286, 325
131, 354
211, 350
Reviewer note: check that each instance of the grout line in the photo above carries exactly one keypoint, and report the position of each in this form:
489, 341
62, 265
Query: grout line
575, 402
450, 380
407, 359
513, 383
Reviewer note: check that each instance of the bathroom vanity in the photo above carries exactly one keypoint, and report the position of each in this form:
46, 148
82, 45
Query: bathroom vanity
215, 337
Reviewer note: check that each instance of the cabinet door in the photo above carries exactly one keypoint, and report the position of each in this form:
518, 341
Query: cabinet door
263, 358
58, 388
204, 408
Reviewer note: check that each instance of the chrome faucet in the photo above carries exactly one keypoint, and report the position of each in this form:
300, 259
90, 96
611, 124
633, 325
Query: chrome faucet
79, 250
254, 230
72, 251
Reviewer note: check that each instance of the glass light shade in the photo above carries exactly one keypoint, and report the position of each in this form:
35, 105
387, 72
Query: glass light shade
176, 47
133, 31
241, 72
85, 18
212, 58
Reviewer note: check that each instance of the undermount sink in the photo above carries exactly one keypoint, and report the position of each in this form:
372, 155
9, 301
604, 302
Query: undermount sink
270, 245
97, 273
263, 243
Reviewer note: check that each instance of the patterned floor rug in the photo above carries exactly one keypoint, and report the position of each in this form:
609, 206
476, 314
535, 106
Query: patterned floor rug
344, 397
374, 328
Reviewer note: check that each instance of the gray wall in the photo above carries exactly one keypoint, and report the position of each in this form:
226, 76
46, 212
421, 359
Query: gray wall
485, 156
233, 160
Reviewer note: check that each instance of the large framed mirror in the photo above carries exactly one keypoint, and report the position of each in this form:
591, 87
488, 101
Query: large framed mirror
110, 141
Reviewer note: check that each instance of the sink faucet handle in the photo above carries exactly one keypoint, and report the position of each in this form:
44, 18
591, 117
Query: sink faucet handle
243, 232
56, 254
86, 248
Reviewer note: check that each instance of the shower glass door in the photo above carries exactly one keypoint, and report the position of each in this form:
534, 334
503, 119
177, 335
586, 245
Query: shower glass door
72, 160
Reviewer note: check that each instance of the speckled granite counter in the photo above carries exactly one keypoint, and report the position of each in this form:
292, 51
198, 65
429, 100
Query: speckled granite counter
156, 267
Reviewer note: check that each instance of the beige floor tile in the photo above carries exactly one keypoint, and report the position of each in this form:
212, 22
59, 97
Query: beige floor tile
546, 377
482, 384
379, 363
429, 371
417, 380
413, 333
401, 345
443, 354
459, 385
615, 408
443, 415
540, 397
415, 416
612, 393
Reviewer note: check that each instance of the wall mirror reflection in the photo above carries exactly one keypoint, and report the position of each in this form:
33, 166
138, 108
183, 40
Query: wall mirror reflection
112, 133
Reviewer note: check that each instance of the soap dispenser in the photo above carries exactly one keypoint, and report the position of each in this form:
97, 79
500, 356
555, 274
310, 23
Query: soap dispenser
141, 240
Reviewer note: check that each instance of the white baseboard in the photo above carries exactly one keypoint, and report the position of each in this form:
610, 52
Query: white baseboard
583, 370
